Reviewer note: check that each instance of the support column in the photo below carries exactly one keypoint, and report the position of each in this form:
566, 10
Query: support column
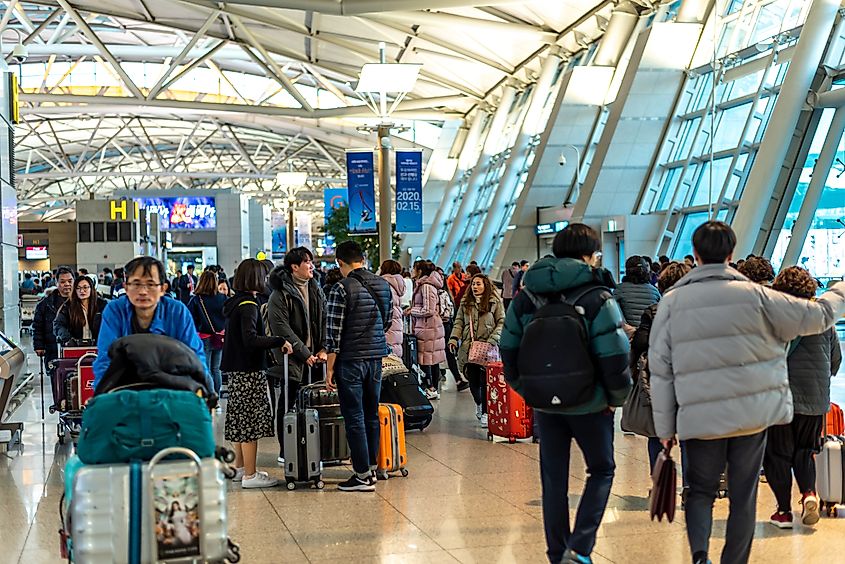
793, 94
482, 250
815, 189
469, 155
385, 226
10, 322
479, 173
290, 232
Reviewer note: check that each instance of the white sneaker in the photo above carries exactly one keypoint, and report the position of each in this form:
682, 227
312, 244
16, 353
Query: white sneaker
259, 480
281, 460
478, 412
239, 475
483, 420
432, 394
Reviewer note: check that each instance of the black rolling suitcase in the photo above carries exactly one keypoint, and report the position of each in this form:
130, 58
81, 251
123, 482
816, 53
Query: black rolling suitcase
334, 448
404, 389
410, 347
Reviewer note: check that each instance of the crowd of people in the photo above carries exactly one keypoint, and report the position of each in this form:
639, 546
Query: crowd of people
737, 359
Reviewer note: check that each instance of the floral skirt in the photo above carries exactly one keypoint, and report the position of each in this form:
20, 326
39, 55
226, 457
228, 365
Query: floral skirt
248, 414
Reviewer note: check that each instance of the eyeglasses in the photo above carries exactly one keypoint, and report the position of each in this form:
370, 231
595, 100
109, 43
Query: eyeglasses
136, 286
83, 288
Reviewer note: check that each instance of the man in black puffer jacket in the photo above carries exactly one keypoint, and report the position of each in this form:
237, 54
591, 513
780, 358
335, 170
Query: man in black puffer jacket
43, 336
359, 314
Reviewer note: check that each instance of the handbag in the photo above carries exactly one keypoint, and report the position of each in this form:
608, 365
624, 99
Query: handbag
663, 492
637, 415
481, 352
217, 336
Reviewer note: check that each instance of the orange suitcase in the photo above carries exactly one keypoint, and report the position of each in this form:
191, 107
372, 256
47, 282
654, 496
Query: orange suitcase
834, 422
392, 456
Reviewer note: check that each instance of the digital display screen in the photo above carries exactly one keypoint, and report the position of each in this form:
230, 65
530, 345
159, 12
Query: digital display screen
35, 253
184, 214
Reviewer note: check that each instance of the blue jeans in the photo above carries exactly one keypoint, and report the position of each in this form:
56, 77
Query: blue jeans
213, 357
358, 387
593, 434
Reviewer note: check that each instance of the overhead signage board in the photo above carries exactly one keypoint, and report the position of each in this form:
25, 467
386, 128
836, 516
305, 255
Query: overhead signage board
409, 209
550, 228
360, 175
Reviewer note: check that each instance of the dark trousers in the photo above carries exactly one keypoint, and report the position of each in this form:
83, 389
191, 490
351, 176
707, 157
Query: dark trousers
358, 387
594, 436
451, 359
477, 384
790, 449
706, 461
432, 376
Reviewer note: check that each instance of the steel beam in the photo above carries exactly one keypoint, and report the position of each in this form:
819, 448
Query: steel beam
92, 36
59, 175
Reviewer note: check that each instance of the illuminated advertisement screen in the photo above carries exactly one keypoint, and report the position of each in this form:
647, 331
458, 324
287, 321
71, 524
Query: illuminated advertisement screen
184, 214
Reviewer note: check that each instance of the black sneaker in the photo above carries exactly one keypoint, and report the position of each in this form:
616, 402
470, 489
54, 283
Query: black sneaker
356, 484
463, 385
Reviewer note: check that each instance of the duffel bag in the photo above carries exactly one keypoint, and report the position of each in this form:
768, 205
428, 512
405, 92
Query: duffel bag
128, 425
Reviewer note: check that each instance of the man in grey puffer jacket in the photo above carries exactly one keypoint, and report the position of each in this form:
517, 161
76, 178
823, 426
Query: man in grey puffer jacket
717, 355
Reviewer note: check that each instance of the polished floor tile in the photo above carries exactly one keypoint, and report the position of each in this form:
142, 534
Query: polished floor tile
466, 500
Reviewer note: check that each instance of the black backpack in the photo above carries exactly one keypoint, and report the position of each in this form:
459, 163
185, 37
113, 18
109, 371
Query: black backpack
555, 363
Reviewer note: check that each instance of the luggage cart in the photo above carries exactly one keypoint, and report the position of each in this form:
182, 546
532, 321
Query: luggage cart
28, 305
72, 387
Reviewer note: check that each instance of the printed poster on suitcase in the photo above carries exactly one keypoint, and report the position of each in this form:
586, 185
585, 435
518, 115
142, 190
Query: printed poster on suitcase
177, 524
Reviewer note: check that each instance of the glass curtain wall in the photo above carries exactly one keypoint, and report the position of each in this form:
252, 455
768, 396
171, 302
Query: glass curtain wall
722, 114
823, 253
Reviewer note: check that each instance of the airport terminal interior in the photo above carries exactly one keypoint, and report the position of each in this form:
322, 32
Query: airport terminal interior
204, 133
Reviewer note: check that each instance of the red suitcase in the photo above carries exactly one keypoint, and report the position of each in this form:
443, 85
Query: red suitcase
507, 414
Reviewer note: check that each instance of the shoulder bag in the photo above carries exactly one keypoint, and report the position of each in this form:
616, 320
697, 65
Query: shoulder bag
481, 352
217, 336
637, 415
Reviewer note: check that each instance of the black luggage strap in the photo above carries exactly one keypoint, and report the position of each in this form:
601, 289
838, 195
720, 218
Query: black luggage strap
354, 275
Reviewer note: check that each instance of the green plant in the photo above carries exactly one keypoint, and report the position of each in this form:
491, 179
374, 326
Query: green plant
337, 226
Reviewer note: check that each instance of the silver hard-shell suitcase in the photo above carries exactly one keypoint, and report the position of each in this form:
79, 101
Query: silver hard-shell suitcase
830, 473
101, 510
302, 443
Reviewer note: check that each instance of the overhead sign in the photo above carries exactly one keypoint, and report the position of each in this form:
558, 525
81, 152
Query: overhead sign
550, 228
409, 210
184, 213
360, 175
279, 222
123, 210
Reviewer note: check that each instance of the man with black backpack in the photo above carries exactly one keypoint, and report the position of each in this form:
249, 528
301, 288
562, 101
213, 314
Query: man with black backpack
359, 314
565, 352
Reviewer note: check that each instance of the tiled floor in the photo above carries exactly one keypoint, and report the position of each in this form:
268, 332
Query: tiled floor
465, 500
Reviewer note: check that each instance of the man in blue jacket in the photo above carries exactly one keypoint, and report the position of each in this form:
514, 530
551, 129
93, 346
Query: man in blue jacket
145, 309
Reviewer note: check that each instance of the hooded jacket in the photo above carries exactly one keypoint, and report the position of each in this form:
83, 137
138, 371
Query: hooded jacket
608, 344
397, 292
717, 353
812, 362
171, 318
287, 317
428, 326
487, 326
634, 299
245, 344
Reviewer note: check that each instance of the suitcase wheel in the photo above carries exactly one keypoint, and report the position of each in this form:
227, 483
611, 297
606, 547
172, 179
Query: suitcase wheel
404, 472
291, 486
234, 552
320, 484
511, 440
490, 437
382, 475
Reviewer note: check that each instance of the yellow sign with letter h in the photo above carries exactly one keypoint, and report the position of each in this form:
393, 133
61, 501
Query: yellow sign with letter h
118, 210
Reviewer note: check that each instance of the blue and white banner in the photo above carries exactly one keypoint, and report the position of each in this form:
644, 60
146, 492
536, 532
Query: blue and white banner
360, 175
409, 209
334, 198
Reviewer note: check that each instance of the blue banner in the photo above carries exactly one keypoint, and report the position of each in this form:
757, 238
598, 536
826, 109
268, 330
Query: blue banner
409, 211
279, 225
360, 176
334, 198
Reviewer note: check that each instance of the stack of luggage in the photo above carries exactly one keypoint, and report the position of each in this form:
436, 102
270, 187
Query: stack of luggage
72, 385
147, 483
400, 386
